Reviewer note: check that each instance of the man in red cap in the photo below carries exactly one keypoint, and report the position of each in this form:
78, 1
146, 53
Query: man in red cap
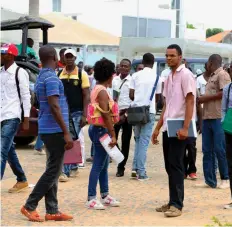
15, 107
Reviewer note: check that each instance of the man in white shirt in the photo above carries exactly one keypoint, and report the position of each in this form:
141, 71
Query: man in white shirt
141, 86
120, 86
11, 111
202, 81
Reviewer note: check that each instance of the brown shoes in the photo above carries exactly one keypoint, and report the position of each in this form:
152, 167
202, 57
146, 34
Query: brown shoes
18, 187
163, 208
169, 211
173, 212
31, 215
58, 217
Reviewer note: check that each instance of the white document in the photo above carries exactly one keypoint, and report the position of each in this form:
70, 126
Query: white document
114, 152
173, 125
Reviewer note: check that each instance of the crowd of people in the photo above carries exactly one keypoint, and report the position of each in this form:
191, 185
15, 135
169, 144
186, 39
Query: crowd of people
64, 91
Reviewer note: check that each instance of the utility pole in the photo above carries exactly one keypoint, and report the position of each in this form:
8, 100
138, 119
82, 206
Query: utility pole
34, 33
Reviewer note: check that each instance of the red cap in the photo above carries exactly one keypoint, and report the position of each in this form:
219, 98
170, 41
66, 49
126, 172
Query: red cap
9, 49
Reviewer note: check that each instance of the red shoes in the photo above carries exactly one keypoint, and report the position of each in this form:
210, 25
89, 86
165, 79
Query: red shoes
34, 216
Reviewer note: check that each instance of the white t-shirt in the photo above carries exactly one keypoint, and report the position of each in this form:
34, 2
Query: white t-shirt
164, 75
124, 100
143, 82
201, 83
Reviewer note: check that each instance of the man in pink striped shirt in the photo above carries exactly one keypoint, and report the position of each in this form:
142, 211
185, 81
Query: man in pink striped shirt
180, 103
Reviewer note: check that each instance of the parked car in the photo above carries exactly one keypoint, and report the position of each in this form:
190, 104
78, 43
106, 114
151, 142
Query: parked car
31, 65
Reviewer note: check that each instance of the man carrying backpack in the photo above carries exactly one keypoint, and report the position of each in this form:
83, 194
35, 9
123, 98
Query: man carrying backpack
15, 107
76, 86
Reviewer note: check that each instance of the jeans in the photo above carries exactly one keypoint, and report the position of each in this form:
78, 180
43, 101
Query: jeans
9, 129
229, 157
125, 138
142, 138
213, 143
39, 143
47, 185
100, 165
190, 156
76, 117
174, 150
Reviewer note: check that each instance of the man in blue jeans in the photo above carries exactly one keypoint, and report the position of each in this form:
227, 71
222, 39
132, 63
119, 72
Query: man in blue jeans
76, 86
213, 138
141, 86
11, 111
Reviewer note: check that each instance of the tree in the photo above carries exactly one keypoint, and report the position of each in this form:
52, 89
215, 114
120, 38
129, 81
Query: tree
213, 31
190, 26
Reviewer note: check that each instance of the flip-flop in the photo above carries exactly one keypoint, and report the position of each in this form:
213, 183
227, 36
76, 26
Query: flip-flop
31, 215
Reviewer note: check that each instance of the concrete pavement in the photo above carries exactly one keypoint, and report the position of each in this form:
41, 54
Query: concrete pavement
138, 199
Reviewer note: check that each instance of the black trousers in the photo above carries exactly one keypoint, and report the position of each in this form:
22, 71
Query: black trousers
190, 156
174, 151
47, 185
126, 137
229, 157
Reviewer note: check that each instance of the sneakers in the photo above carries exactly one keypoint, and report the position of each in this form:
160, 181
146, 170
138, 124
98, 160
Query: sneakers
142, 178
58, 217
133, 174
18, 187
228, 206
41, 152
90, 160
193, 176
94, 204
172, 212
81, 166
224, 184
202, 185
163, 208
120, 173
63, 178
110, 201
73, 173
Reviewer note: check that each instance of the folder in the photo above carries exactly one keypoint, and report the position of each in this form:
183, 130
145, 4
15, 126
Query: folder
174, 125
73, 156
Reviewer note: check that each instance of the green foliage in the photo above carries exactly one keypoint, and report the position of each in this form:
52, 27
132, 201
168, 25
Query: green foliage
213, 31
218, 223
190, 26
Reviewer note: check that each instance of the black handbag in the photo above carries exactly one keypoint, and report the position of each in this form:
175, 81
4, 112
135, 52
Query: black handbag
141, 115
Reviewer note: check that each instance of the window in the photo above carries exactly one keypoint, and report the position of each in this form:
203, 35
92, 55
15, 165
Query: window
56, 5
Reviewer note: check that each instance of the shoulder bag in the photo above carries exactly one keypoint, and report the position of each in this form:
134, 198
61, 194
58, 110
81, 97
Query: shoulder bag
227, 123
141, 115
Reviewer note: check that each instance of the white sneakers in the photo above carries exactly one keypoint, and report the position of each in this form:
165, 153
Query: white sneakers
63, 178
224, 184
228, 206
42, 152
107, 201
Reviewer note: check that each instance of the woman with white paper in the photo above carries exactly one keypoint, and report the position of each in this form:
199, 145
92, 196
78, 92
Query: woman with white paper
102, 114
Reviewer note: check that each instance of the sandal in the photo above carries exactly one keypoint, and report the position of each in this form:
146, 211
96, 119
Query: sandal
31, 215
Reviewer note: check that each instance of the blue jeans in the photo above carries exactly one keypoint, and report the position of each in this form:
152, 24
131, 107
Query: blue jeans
39, 144
214, 146
142, 138
9, 129
100, 165
76, 117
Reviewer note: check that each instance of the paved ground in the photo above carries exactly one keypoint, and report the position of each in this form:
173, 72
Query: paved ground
138, 199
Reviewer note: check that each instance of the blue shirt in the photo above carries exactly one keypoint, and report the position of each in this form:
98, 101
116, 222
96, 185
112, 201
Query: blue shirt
48, 84
226, 100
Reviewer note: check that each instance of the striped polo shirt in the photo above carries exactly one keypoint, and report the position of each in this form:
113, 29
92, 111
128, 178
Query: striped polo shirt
48, 84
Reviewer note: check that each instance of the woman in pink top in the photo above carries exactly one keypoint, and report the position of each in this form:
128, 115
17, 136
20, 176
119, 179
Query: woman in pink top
103, 73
